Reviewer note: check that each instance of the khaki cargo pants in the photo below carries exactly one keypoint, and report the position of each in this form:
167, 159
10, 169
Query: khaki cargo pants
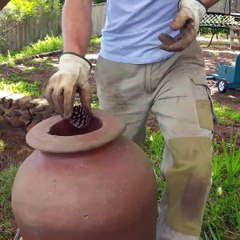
176, 92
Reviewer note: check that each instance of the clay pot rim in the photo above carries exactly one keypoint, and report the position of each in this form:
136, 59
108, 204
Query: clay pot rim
39, 138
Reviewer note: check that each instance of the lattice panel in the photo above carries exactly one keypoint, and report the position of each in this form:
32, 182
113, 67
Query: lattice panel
218, 21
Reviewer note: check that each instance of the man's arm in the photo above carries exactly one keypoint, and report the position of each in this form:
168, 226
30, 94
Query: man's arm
208, 3
73, 74
187, 22
76, 25
3, 3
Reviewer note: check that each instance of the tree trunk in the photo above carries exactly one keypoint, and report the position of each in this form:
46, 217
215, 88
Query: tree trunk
3, 3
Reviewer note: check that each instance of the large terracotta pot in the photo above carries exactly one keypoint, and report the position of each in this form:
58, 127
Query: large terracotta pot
84, 185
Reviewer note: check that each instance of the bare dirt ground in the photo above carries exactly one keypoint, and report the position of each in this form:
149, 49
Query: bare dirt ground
17, 149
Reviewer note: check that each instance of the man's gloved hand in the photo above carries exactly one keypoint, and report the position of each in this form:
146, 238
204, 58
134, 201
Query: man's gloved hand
187, 21
72, 77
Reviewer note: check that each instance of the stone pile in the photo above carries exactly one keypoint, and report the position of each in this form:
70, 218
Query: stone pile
22, 111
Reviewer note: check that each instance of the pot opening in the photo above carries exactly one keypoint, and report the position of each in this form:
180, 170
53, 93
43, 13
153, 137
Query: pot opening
65, 128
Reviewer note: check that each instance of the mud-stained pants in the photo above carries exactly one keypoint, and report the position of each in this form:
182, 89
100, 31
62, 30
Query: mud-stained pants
176, 91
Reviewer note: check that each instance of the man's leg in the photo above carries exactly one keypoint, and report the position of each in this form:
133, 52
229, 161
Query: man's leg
184, 112
122, 92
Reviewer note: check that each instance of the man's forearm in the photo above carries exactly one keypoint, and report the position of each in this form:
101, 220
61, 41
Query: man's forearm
76, 25
209, 3
3, 3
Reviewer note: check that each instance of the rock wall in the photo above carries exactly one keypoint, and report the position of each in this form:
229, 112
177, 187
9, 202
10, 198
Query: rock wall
22, 111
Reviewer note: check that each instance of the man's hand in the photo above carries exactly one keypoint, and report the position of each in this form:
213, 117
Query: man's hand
187, 21
72, 77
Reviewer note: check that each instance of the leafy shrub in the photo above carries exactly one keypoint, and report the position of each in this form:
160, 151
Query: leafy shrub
16, 11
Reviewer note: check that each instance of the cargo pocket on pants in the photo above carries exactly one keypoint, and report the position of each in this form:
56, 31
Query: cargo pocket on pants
204, 107
205, 116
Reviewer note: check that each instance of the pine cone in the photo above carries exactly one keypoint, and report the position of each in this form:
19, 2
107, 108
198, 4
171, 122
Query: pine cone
81, 117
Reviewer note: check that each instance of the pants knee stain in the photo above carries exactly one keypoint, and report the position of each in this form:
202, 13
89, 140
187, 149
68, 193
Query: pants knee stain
188, 182
193, 197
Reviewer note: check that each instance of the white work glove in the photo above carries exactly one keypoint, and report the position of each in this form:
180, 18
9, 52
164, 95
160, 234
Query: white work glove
187, 21
71, 78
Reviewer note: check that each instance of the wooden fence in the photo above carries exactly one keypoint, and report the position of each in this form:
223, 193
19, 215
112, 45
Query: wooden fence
32, 30
98, 16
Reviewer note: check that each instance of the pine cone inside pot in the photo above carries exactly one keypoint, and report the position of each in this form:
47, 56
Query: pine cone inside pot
81, 117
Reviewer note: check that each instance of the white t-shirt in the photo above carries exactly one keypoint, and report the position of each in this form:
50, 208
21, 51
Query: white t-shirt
132, 28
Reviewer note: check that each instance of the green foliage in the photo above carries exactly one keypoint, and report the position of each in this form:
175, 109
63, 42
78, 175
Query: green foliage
32, 7
17, 11
225, 114
2, 146
218, 31
50, 43
16, 84
231, 158
221, 218
153, 146
6, 181
94, 102
95, 40
238, 220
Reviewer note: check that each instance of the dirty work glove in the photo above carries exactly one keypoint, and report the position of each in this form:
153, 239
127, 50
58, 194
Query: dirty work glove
71, 78
187, 21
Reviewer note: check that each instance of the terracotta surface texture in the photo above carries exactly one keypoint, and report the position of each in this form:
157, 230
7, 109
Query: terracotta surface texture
93, 184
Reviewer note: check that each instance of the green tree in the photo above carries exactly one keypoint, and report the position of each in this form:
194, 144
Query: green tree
17, 10
32, 7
